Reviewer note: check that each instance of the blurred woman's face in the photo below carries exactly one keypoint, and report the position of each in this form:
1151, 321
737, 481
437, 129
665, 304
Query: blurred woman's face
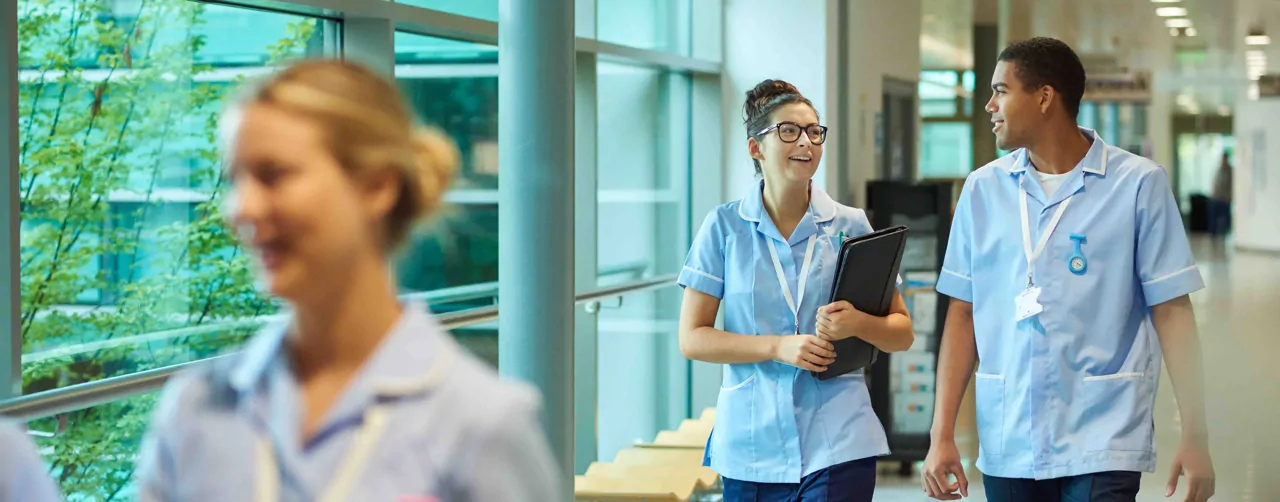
305, 219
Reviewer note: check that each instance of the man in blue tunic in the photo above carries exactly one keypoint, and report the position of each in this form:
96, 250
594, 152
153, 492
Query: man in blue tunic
1070, 274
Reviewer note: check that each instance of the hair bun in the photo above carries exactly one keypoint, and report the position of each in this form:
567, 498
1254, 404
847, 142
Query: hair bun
436, 162
765, 91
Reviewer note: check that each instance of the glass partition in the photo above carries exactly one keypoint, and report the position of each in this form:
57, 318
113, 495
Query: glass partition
126, 263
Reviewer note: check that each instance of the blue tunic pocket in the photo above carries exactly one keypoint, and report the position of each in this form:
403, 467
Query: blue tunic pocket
1117, 412
989, 400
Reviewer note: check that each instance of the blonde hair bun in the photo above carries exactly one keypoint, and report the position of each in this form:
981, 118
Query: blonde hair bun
436, 162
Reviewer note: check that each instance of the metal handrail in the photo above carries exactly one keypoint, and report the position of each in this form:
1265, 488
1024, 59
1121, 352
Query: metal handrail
434, 297
89, 394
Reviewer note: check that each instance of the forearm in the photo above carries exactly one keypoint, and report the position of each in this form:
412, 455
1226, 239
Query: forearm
891, 333
712, 345
956, 358
1175, 324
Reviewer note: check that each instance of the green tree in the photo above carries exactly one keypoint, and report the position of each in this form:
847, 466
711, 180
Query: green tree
114, 107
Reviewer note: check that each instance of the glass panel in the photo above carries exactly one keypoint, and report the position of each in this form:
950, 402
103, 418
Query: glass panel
454, 86
483, 9
93, 457
643, 135
938, 93
126, 263
662, 25
946, 150
644, 380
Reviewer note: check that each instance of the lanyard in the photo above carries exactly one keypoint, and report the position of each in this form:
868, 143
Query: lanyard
268, 485
794, 303
1032, 256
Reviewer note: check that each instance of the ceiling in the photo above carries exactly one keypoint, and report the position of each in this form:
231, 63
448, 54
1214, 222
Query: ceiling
1207, 68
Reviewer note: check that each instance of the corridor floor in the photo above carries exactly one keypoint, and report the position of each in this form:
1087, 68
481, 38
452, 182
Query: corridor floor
1239, 318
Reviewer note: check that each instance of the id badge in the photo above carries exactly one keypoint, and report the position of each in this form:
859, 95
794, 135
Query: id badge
1027, 303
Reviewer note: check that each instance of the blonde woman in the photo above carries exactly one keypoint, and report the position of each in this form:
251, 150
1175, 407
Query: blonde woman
357, 396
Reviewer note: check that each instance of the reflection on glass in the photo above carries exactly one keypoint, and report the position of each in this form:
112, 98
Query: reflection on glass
662, 25
453, 85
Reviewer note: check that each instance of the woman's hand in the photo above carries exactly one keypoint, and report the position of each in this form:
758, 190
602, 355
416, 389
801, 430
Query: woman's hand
805, 352
839, 320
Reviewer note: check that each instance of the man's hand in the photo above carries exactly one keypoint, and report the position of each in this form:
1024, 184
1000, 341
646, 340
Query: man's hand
805, 352
1193, 461
943, 462
838, 321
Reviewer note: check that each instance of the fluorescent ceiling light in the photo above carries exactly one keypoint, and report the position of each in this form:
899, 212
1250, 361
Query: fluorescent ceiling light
1257, 40
1190, 32
1180, 22
1171, 11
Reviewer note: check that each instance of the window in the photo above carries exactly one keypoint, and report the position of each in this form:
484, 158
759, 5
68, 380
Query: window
482, 9
947, 151
661, 25
126, 263
643, 141
454, 86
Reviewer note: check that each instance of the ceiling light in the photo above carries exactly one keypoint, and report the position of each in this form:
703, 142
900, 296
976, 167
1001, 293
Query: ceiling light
1165, 1
1180, 22
1257, 40
1173, 32
1190, 32
1171, 11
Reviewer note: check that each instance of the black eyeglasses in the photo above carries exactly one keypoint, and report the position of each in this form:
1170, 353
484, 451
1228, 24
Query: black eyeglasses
789, 132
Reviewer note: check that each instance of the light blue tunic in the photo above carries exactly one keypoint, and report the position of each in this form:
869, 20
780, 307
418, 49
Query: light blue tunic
776, 423
23, 475
1071, 390
423, 421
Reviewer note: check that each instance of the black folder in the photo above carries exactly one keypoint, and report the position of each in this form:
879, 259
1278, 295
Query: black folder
866, 277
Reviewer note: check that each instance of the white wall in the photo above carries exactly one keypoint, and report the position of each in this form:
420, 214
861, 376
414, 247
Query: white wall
1256, 200
884, 42
770, 39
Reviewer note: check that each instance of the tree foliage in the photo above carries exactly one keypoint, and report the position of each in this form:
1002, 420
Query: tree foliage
122, 230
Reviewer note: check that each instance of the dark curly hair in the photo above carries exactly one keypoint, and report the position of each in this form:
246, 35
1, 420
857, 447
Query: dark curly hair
762, 100
1045, 61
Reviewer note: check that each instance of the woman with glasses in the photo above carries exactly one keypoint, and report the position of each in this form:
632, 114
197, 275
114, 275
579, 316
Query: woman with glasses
769, 259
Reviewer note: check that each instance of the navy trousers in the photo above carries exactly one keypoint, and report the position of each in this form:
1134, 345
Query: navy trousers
1115, 486
848, 482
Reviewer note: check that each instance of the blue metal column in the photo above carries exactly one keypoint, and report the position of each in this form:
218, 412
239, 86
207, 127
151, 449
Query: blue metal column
535, 208
10, 217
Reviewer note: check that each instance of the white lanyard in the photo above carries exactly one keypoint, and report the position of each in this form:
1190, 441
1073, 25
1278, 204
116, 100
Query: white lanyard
794, 303
1032, 256
267, 488
268, 485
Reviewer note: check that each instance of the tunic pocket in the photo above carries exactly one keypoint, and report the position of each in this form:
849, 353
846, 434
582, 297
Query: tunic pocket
1117, 413
989, 400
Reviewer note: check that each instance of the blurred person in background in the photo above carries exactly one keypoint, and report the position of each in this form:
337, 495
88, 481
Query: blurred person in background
770, 258
1070, 275
357, 396
23, 475
1220, 202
